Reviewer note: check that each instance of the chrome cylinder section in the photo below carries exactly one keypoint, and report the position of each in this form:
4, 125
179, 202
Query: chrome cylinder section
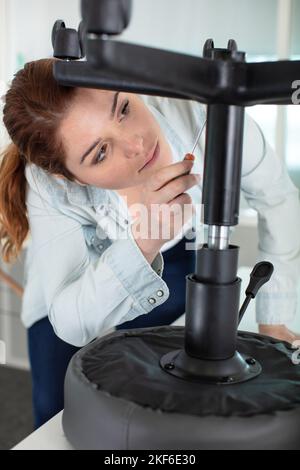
218, 237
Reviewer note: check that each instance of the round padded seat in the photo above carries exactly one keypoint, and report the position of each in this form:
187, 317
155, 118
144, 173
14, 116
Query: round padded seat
118, 397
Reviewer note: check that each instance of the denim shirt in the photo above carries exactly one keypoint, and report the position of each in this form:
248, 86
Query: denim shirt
83, 267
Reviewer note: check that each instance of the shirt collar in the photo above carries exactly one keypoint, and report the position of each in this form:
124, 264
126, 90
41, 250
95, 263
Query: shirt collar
62, 190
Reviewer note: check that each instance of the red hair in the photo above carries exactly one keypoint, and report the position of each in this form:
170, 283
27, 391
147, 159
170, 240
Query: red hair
34, 106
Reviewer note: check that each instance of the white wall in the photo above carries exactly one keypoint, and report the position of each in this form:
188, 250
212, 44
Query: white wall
295, 32
184, 25
30, 26
12, 331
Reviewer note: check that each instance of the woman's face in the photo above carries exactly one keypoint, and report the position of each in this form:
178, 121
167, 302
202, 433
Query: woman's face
109, 137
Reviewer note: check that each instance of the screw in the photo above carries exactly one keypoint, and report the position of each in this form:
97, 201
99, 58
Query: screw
227, 380
169, 366
251, 361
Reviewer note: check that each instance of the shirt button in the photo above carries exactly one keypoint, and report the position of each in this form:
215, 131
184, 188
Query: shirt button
100, 246
151, 300
160, 293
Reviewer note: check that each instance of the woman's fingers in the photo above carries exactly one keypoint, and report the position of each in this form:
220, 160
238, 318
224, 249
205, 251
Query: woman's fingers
189, 156
178, 186
168, 173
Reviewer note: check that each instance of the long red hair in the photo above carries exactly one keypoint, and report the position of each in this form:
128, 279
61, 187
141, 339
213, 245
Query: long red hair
34, 106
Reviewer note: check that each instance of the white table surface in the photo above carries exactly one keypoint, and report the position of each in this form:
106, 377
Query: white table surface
50, 436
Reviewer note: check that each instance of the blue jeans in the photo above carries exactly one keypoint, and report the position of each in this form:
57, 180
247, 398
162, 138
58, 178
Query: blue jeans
50, 356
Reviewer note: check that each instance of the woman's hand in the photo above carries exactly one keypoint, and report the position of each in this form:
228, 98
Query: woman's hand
280, 332
165, 207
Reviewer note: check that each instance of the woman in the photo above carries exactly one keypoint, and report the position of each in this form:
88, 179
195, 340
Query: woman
74, 174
